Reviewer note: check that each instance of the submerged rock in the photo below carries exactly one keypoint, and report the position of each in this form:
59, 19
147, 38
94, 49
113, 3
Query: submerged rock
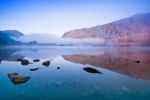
18, 79
58, 67
36, 60
91, 70
126, 89
46, 63
25, 62
34, 69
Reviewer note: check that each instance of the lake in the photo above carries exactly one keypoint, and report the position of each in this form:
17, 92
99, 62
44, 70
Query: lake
76, 73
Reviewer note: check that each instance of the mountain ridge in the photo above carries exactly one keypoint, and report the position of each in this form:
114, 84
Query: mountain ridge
131, 30
7, 37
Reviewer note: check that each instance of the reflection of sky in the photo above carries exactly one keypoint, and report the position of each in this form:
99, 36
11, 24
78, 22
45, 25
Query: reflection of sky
59, 16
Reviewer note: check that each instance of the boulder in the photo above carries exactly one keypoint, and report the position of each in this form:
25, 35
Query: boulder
13, 75
20, 79
17, 79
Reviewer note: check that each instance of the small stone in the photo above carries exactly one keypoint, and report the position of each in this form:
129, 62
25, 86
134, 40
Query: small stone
34, 69
58, 67
36, 60
91, 70
25, 62
46, 63
137, 61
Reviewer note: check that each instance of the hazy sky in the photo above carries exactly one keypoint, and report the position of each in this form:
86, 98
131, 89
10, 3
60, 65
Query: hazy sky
59, 16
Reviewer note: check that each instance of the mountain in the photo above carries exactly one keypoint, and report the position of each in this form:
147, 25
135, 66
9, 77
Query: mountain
13, 33
128, 31
9, 37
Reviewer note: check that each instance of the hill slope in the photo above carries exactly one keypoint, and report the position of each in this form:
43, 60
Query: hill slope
7, 37
132, 30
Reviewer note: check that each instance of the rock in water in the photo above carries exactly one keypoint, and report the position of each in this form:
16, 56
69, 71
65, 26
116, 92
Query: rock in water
18, 79
36, 60
137, 61
12, 76
46, 63
34, 69
91, 70
25, 62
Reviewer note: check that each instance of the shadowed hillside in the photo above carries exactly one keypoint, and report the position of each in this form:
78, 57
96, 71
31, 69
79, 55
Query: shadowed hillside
7, 37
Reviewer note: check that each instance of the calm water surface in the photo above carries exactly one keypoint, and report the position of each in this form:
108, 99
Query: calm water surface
124, 73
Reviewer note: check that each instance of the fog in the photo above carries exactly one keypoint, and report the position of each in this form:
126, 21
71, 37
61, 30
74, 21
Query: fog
49, 38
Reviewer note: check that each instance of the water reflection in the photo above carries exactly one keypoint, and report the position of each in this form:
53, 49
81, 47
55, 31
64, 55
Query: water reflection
75, 73
133, 62
41, 52
8, 54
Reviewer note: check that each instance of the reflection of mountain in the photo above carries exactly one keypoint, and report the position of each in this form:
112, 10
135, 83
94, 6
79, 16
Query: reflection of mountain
121, 61
8, 54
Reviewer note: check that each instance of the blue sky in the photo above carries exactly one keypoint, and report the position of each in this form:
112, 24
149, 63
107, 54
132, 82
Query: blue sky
58, 16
